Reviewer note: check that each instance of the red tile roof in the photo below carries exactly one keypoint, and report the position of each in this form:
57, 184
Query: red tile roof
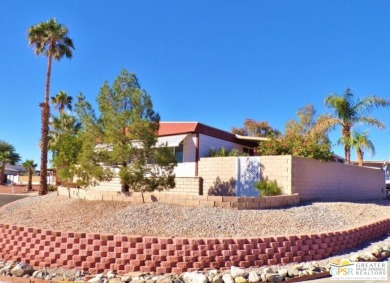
176, 128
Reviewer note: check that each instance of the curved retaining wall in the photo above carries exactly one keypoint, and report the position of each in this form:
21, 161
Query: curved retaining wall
182, 199
125, 253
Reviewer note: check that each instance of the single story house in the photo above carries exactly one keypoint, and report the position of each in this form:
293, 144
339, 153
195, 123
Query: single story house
191, 141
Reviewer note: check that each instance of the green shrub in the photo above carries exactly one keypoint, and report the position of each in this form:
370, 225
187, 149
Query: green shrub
268, 188
52, 188
223, 152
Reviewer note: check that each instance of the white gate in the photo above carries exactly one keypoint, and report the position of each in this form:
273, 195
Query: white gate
248, 173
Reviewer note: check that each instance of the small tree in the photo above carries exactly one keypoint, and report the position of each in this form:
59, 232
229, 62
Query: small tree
64, 140
8, 155
300, 138
125, 135
29, 165
256, 129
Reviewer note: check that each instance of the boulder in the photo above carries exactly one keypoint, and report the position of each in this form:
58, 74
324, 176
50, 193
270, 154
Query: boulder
227, 278
253, 277
22, 269
292, 272
217, 279
236, 272
115, 280
240, 279
194, 277
283, 272
273, 277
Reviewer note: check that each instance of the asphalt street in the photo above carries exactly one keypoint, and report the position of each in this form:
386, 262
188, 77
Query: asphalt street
4, 199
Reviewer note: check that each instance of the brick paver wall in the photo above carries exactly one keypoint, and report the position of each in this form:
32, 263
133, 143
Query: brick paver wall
126, 253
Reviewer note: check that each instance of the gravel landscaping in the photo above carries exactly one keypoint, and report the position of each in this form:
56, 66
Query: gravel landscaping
61, 213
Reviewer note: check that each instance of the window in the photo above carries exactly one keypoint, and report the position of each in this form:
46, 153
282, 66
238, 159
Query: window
178, 152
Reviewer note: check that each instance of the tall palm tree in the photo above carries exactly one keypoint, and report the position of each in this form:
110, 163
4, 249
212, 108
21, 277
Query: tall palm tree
30, 166
349, 113
62, 101
362, 144
51, 40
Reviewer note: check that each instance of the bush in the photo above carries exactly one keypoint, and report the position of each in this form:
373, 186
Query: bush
268, 188
52, 188
223, 152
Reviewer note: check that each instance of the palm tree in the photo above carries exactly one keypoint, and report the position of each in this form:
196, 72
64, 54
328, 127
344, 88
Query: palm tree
362, 144
7, 155
349, 113
30, 166
51, 40
62, 101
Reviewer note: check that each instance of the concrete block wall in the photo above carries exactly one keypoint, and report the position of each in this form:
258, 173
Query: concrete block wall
219, 175
318, 180
184, 185
128, 253
277, 168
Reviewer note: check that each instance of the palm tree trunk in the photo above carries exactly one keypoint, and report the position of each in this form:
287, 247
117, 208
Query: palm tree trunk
29, 187
347, 151
360, 154
124, 187
346, 134
2, 171
45, 110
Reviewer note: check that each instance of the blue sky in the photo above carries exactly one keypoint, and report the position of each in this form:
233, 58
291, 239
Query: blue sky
216, 62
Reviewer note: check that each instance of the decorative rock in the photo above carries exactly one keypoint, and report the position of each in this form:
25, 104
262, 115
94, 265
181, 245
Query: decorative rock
368, 256
217, 279
240, 279
138, 280
115, 280
283, 272
164, 279
110, 274
97, 279
292, 272
22, 269
253, 277
194, 277
236, 272
128, 279
211, 274
227, 278
49, 277
270, 270
274, 278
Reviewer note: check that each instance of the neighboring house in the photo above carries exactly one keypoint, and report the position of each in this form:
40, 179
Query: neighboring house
192, 140
381, 164
11, 173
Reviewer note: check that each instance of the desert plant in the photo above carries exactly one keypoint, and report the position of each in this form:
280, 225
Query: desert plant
223, 152
268, 188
